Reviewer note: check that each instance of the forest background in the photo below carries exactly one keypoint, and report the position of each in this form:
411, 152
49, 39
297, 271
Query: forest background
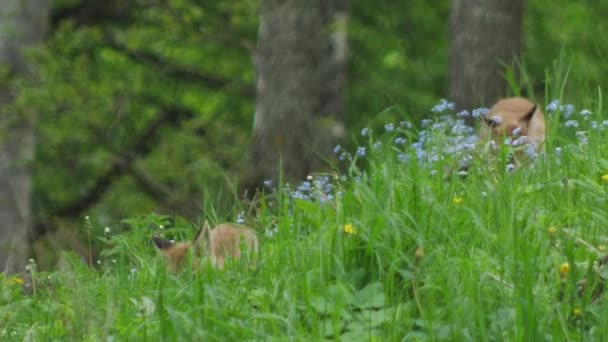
135, 106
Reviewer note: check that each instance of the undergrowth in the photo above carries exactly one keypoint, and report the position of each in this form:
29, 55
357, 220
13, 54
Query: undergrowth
407, 245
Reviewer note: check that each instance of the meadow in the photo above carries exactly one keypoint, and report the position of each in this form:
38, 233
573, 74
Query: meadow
404, 245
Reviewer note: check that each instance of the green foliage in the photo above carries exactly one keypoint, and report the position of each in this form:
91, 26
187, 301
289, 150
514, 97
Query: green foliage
396, 248
391, 250
101, 82
99, 88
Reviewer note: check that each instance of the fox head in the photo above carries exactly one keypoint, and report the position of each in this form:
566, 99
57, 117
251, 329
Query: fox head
223, 241
176, 253
515, 118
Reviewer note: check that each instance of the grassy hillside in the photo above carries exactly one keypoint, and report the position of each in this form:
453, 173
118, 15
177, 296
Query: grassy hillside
397, 248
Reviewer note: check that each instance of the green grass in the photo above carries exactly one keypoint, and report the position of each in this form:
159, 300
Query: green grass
429, 257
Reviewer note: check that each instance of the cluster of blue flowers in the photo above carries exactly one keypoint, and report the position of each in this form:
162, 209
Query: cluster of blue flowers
446, 135
582, 122
318, 188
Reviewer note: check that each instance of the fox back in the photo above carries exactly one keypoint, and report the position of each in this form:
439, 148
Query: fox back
223, 241
514, 117
230, 241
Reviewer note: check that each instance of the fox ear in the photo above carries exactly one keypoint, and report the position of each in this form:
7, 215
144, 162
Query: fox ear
161, 244
202, 234
529, 114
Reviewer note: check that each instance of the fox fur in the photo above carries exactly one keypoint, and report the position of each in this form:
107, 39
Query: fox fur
225, 240
515, 118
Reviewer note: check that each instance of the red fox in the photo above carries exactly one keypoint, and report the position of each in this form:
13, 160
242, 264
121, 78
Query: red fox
516, 118
225, 240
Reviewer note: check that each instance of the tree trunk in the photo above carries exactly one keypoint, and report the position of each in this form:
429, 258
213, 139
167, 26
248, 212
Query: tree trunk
300, 80
23, 23
483, 35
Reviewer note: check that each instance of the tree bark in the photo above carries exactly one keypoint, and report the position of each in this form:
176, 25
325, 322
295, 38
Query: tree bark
483, 35
300, 81
23, 23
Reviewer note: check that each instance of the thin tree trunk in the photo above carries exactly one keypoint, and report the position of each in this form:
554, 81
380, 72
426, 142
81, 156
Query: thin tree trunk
483, 35
23, 23
299, 108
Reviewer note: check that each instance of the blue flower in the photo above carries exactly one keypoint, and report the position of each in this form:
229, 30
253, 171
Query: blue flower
480, 112
365, 131
553, 106
403, 158
568, 110
558, 152
399, 141
442, 106
337, 149
531, 151
496, 119
406, 124
360, 151
571, 123
389, 127
582, 137
305, 186
516, 131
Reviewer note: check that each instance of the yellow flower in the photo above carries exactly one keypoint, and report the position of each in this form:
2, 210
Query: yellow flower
457, 200
577, 312
349, 229
601, 248
16, 280
605, 177
552, 231
564, 268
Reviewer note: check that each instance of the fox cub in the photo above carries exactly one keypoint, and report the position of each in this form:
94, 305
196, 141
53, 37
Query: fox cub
516, 118
225, 240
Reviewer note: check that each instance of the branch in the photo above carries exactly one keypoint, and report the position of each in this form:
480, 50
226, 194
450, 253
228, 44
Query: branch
95, 12
120, 164
162, 194
155, 190
180, 72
